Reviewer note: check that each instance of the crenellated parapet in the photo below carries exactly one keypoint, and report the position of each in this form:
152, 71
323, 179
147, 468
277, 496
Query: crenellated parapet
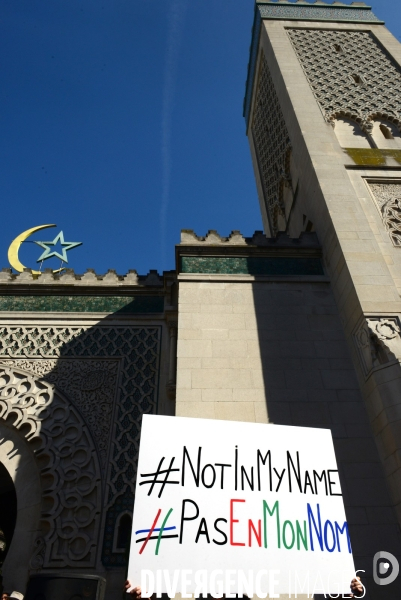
89, 278
256, 256
212, 254
213, 238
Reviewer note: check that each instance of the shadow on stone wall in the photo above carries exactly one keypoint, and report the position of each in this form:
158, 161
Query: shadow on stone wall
74, 396
310, 381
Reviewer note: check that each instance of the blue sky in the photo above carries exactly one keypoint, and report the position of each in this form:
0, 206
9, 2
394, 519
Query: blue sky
121, 122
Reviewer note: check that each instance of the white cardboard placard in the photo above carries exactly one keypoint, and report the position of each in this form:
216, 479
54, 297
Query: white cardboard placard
221, 502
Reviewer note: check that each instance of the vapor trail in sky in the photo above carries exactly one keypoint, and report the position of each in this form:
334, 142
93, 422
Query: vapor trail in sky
174, 33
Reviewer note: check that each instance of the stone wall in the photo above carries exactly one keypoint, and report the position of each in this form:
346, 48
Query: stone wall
272, 349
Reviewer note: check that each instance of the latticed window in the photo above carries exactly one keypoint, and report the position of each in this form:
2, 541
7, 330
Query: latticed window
272, 145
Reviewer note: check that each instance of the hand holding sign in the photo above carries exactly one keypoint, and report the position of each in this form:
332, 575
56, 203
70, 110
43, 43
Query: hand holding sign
134, 592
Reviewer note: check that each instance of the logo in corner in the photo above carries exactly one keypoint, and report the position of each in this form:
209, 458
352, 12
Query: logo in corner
385, 568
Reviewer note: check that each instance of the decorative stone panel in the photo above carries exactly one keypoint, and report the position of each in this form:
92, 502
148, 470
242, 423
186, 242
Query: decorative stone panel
89, 363
378, 342
388, 200
90, 384
333, 59
272, 145
68, 462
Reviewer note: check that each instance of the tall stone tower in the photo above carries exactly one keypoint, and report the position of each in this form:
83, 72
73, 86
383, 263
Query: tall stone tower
323, 118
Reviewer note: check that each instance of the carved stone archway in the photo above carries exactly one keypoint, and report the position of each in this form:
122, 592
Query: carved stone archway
68, 481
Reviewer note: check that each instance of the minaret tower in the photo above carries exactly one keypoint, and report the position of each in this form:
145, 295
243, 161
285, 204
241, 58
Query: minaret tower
323, 118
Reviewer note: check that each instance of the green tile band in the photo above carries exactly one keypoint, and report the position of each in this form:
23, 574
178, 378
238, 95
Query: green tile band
262, 265
84, 304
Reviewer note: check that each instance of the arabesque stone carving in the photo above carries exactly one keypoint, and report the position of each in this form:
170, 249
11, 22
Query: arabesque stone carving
90, 384
350, 75
102, 361
388, 200
68, 463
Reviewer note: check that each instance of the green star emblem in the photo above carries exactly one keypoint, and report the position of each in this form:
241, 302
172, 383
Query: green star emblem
65, 247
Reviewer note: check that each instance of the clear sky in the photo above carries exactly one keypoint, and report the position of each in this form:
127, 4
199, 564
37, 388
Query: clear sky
121, 122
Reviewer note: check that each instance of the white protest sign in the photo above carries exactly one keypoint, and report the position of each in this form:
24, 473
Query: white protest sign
229, 507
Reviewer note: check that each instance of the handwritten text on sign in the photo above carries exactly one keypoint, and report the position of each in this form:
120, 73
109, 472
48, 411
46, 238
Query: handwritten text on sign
238, 498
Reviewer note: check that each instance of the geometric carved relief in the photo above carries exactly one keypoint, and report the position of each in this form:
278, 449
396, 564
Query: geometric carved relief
350, 75
378, 342
90, 384
273, 148
69, 468
99, 359
388, 200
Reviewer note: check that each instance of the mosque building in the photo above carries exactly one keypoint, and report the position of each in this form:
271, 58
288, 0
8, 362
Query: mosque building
297, 325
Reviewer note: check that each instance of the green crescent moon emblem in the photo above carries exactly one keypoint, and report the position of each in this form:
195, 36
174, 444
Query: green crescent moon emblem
13, 250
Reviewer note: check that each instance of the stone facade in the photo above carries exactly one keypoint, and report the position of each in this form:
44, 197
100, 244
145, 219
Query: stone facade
78, 368
271, 348
300, 325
